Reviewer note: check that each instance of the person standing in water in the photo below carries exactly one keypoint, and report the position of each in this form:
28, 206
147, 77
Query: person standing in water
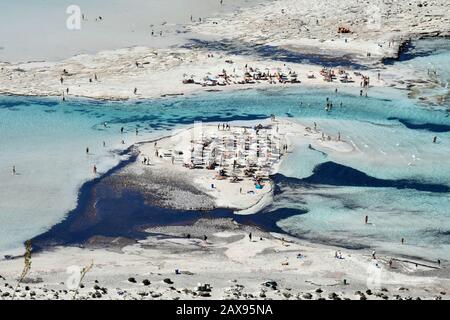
434, 139
87, 150
367, 219
14, 170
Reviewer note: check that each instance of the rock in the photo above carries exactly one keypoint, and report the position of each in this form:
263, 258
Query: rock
156, 294
96, 287
333, 296
5, 294
98, 295
362, 297
262, 294
318, 290
146, 282
403, 289
287, 295
307, 296
132, 280
204, 294
271, 284
369, 292
168, 281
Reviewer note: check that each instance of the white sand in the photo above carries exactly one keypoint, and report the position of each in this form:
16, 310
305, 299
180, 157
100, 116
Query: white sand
161, 70
234, 266
241, 196
284, 23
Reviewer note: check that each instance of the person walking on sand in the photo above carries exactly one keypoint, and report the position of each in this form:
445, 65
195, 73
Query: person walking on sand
367, 219
121, 130
135, 91
87, 150
250, 236
94, 170
403, 240
14, 170
374, 254
434, 139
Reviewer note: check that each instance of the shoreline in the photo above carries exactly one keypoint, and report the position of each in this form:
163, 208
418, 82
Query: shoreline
387, 70
144, 222
145, 269
226, 244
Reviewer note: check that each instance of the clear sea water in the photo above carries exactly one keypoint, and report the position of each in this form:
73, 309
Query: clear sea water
46, 141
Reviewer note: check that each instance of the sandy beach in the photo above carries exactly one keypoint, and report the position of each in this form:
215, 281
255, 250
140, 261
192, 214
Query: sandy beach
223, 168
235, 267
237, 261
270, 35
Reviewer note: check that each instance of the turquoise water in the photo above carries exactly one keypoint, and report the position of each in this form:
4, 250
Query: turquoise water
46, 141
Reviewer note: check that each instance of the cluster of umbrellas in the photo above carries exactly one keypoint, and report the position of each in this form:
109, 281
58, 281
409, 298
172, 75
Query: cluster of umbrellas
238, 153
245, 76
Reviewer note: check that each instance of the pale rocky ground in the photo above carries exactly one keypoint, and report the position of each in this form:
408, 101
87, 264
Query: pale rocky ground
313, 25
284, 24
234, 266
267, 267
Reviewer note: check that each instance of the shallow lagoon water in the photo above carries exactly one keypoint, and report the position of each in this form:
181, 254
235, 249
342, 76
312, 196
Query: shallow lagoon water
46, 140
